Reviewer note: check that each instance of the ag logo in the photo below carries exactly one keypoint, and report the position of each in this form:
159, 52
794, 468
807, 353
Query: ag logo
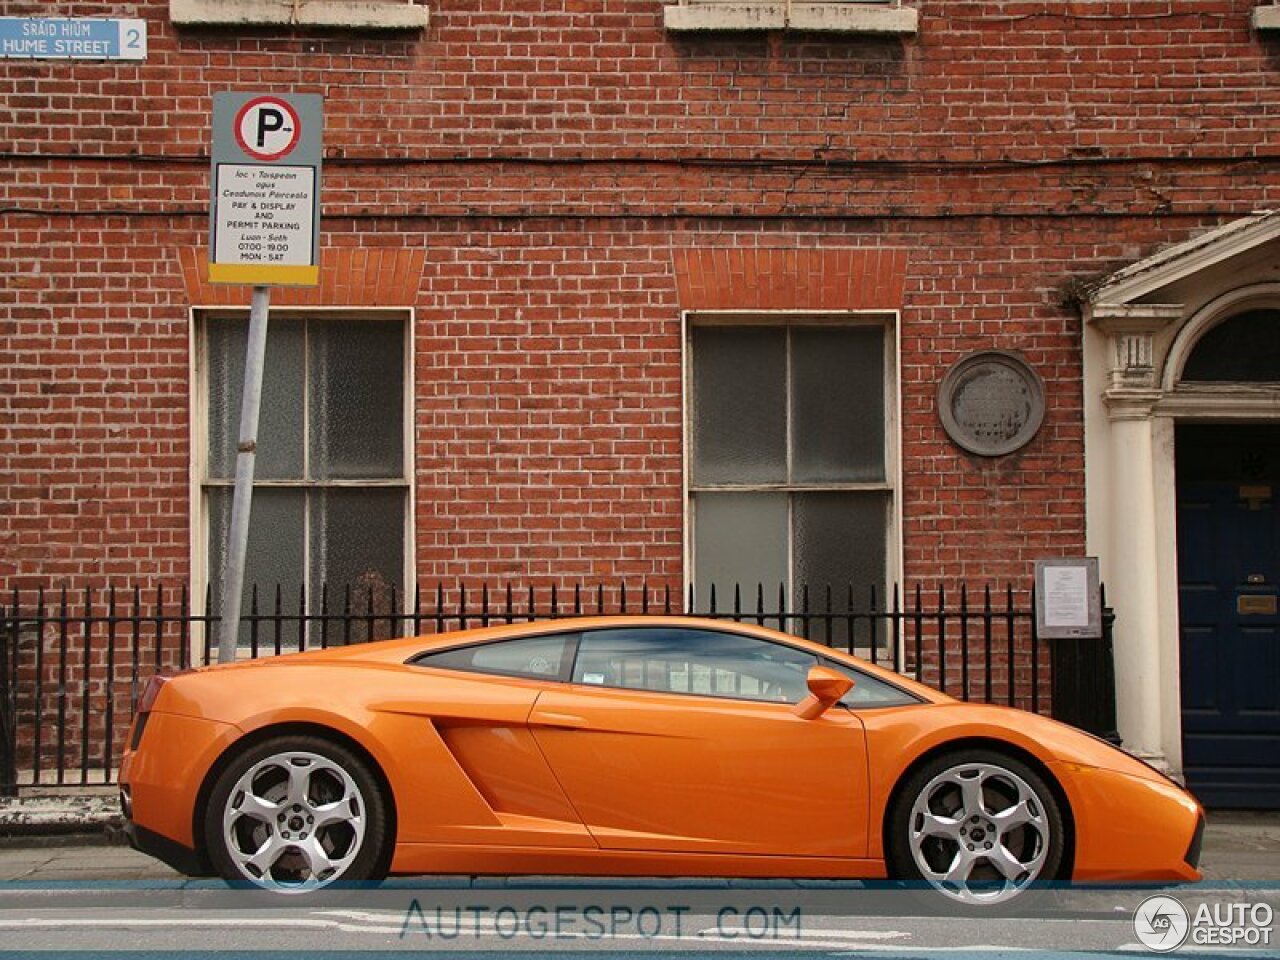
1161, 923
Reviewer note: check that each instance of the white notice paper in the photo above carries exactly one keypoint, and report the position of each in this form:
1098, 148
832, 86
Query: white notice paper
264, 215
1066, 597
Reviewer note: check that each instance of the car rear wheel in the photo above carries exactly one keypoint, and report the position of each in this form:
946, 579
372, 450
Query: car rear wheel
979, 827
297, 813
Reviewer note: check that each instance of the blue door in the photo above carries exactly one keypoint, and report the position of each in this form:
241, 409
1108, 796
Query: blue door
1229, 591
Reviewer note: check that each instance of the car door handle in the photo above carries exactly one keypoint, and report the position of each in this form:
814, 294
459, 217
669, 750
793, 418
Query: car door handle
568, 721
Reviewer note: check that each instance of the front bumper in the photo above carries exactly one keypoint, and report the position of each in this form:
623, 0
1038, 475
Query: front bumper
1131, 829
1192, 856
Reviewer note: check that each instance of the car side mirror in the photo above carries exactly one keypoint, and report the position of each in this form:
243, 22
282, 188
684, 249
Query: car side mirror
826, 687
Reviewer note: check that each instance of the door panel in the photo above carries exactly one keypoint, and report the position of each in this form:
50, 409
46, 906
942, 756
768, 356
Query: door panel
1229, 592
672, 772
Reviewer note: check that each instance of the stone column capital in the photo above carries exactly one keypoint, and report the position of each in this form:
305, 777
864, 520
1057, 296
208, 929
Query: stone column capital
1131, 329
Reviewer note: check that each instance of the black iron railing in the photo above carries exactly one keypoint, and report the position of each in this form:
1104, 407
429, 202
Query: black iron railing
74, 663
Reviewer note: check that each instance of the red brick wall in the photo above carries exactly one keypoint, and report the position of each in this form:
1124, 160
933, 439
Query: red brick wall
550, 163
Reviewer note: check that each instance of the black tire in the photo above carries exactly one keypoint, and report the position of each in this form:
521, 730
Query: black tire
962, 857
307, 809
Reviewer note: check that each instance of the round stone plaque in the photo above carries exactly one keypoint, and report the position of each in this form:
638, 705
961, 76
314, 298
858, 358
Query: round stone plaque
992, 403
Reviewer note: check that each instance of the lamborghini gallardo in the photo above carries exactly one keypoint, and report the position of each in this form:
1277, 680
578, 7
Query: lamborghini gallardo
630, 746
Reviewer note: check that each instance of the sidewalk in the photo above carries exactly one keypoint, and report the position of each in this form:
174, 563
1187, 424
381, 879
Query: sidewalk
84, 810
1242, 845
1237, 846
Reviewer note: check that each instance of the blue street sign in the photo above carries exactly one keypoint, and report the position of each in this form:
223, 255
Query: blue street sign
73, 38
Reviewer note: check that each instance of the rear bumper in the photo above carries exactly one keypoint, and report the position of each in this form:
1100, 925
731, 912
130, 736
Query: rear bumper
161, 778
181, 858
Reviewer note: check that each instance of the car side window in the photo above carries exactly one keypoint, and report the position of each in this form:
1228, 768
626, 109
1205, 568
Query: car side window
538, 658
868, 691
691, 661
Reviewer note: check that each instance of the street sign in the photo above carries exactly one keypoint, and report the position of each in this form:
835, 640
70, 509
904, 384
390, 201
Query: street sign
64, 38
264, 230
264, 224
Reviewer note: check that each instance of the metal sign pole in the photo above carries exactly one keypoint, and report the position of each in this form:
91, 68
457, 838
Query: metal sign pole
251, 404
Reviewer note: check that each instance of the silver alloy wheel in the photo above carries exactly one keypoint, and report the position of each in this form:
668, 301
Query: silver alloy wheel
294, 822
979, 833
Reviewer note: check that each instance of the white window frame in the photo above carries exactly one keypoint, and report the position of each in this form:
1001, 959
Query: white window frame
199, 460
889, 321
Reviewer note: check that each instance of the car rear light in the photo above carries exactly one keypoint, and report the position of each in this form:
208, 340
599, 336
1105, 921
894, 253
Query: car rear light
149, 695
148, 700
139, 724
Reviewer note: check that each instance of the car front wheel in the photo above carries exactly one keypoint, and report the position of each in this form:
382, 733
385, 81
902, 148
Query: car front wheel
297, 813
979, 827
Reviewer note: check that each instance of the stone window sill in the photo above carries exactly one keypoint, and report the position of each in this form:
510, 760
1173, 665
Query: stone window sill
831, 16
1266, 18
355, 14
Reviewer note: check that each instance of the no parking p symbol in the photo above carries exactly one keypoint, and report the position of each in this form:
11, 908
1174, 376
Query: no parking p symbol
267, 128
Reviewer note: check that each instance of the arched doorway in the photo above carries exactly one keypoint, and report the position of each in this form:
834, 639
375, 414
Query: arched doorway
1228, 523
1182, 394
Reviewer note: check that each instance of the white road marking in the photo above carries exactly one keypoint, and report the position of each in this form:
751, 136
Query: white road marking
355, 921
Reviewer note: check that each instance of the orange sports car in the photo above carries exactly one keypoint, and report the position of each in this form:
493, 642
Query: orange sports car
659, 746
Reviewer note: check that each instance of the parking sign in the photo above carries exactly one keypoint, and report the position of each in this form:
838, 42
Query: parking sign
265, 196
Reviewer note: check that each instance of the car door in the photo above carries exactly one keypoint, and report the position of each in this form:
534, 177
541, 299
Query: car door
685, 740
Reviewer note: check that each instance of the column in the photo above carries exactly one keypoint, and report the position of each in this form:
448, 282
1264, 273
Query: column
1133, 568
1133, 580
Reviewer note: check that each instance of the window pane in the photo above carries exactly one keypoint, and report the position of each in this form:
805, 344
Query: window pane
1244, 348
536, 657
839, 542
840, 538
706, 662
275, 550
356, 399
225, 376
280, 423
739, 405
837, 384
357, 541
868, 691
740, 538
